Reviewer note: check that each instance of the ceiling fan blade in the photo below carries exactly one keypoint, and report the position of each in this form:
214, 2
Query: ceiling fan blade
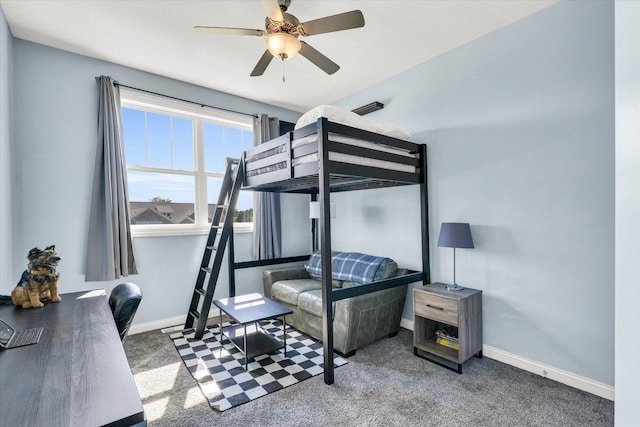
321, 61
273, 9
328, 24
262, 64
229, 31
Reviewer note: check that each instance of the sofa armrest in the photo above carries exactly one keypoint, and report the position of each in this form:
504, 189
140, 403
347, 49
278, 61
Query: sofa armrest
269, 277
365, 318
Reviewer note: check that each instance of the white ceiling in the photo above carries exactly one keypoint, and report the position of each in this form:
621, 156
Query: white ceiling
158, 37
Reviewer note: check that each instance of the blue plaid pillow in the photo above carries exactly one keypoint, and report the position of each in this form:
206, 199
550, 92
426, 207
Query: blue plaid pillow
314, 266
350, 266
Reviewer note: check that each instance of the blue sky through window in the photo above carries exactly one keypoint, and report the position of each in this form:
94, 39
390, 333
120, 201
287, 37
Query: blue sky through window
143, 186
161, 141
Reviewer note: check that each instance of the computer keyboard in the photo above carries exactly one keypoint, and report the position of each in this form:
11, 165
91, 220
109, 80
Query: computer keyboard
26, 337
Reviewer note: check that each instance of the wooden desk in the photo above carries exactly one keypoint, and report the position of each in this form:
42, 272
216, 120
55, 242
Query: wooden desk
77, 375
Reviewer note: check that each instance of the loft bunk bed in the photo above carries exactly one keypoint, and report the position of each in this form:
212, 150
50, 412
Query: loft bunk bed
324, 157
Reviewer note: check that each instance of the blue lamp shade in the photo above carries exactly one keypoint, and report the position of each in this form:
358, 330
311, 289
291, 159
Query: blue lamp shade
455, 235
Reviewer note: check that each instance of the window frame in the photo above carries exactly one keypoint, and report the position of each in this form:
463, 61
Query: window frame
199, 115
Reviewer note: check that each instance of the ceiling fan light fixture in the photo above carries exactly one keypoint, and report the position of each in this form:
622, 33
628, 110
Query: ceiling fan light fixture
282, 45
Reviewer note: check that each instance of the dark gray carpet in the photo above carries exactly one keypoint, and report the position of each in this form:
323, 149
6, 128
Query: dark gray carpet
383, 384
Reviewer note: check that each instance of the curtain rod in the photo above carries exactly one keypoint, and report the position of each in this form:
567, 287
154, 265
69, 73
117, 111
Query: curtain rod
183, 100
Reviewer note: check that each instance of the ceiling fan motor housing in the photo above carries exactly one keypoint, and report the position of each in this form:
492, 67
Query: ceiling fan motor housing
284, 4
289, 25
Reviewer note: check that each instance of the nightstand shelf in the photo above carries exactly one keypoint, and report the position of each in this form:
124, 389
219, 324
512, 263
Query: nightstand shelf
436, 307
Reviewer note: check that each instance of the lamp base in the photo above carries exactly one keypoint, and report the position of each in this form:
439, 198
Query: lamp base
454, 287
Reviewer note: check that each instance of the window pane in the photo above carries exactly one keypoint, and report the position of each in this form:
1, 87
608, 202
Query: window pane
156, 140
247, 139
158, 198
134, 136
214, 148
182, 144
213, 190
233, 142
244, 207
159, 140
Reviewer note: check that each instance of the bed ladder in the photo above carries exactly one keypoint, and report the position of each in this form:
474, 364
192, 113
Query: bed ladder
221, 229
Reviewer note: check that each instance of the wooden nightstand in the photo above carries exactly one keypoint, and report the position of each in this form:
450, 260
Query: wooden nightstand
434, 309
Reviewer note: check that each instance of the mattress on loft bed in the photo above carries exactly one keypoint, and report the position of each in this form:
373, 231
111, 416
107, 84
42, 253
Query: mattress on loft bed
353, 159
336, 157
343, 117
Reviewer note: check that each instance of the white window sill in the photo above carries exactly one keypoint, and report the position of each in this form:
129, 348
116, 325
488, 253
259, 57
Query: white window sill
185, 230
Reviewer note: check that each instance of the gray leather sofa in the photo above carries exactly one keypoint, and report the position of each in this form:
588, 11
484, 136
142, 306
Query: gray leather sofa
357, 321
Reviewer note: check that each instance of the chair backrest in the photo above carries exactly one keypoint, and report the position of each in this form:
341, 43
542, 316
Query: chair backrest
124, 301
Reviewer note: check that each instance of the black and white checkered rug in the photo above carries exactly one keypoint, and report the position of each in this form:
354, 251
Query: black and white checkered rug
219, 369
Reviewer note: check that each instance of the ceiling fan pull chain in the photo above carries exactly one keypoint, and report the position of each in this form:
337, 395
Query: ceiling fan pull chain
282, 70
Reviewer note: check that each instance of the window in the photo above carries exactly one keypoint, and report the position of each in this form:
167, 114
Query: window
176, 157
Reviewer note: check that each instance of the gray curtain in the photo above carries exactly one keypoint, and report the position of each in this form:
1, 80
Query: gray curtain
109, 249
266, 220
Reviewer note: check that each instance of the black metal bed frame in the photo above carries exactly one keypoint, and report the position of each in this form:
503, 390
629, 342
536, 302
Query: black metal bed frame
319, 179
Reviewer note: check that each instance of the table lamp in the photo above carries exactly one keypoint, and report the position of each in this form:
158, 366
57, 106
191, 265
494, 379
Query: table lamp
455, 235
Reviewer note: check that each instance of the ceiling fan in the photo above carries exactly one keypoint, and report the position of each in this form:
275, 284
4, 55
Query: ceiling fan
283, 29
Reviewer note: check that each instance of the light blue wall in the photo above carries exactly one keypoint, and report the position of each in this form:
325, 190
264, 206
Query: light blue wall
6, 234
519, 126
627, 16
54, 133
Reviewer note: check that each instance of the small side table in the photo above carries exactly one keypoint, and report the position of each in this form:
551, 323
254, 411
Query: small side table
434, 306
252, 308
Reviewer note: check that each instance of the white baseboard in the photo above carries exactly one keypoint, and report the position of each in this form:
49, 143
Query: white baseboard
585, 384
165, 323
581, 383
406, 323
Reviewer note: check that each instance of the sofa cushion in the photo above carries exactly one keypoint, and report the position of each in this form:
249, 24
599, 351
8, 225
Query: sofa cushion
289, 290
354, 267
334, 283
311, 302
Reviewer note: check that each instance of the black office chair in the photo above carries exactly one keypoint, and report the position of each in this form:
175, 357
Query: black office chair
124, 301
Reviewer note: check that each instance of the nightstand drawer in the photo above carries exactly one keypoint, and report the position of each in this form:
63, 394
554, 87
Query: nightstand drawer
437, 308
